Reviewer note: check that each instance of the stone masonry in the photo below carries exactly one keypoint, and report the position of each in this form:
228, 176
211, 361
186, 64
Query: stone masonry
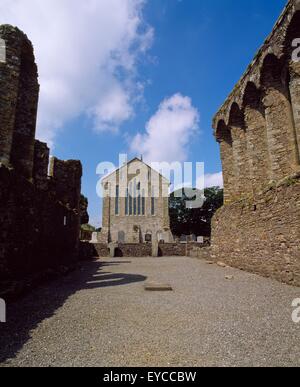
133, 220
39, 214
18, 101
258, 129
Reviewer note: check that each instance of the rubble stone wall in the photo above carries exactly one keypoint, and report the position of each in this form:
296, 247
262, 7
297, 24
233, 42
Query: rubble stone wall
39, 214
37, 232
262, 235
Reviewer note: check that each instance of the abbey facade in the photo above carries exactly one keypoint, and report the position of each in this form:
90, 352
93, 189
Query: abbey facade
135, 205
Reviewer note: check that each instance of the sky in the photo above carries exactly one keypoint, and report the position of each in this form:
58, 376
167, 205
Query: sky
139, 77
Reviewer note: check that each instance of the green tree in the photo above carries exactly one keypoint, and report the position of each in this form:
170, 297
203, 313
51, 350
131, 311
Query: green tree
88, 227
185, 221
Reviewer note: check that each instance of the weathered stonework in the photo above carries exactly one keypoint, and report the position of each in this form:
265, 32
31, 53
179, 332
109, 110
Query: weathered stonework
262, 235
40, 166
39, 214
66, 181
133, 228
37, 231
258, 128
18, 101
140, 250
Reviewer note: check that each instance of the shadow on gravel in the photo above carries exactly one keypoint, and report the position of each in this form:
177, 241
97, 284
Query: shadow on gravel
27, 313
114, 263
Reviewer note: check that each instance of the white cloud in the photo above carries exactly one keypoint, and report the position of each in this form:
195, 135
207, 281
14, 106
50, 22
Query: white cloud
169, 131
213, 180
112, 109
86, 52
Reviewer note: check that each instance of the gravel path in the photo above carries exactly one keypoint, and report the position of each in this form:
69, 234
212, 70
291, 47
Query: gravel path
102, 316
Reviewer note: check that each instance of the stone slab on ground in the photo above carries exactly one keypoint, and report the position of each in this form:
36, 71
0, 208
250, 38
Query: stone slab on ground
155, 287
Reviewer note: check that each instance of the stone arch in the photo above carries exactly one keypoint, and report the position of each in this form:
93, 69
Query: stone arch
292, 55
292, 33
224, 137
271, 72
223, 132
238, 131
280, 127
257, 143
19, 90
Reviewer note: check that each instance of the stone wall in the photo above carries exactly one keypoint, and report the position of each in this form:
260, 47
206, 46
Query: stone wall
39, 214
258, 125
101, 249
37, 232
201, 252
134, 250
140, 250
18, 101
40, 166
88, 251
262, 235
173, 249
258, 130
123, 226
66, 181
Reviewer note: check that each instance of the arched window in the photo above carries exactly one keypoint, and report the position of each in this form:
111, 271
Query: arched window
127, 203
153, 202
139, 198
117, 200
143, 202
134, 199
130, 199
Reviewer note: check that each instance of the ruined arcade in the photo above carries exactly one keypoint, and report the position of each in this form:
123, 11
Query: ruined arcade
258, 129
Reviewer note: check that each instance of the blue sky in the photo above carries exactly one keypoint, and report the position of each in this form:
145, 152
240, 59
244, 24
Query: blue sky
195, 49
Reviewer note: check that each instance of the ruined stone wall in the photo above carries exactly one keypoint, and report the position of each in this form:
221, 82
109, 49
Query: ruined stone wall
66, 181
18, 101
40, 165
37, 232
258, 128
39, 214
262, 235
258, 125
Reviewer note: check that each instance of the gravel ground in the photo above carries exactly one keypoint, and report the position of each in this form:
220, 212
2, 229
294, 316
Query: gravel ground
102, 316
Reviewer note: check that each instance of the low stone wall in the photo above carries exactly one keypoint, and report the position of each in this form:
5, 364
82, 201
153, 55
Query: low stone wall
191, 249
200, 251
173, 250
145, 250
134, 250
101, 249
262, 235
37, 232
87, 251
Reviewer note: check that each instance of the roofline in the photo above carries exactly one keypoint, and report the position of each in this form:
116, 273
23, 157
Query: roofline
128, 162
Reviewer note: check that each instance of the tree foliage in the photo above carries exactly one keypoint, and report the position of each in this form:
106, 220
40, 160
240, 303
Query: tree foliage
185, 221
88, 227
